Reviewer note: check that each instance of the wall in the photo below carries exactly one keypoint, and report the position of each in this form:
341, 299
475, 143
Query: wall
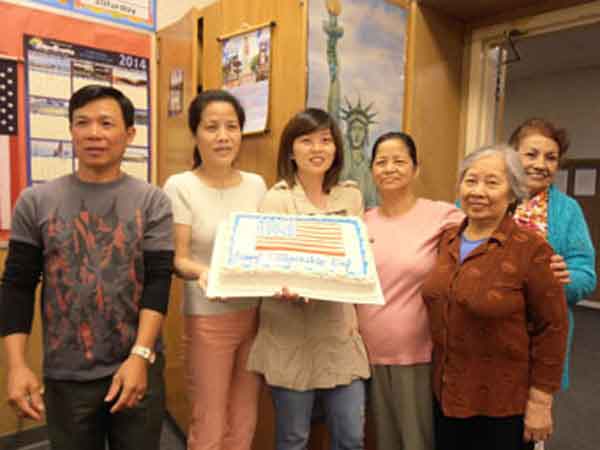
169, 11
571, 98
434, 98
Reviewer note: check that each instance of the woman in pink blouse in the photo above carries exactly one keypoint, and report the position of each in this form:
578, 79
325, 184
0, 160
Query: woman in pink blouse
405, 231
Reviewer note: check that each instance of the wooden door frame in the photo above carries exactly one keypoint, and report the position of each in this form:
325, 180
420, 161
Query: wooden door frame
478, 100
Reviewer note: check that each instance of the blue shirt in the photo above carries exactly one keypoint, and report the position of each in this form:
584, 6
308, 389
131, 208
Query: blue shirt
467, 246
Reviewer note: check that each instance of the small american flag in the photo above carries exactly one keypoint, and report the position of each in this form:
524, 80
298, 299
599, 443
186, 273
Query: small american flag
8, 134
8, 97
306, 237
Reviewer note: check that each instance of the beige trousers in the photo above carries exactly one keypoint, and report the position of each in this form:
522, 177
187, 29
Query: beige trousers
223, 394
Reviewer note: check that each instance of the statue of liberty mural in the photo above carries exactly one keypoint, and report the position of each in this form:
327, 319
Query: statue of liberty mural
357, 118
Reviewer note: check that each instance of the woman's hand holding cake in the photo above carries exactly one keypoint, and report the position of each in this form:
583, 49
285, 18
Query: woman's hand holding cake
286, 295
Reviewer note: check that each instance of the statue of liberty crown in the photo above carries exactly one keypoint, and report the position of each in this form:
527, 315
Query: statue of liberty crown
358, 112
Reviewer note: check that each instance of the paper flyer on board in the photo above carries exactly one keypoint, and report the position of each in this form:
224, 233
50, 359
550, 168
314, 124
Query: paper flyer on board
136, 13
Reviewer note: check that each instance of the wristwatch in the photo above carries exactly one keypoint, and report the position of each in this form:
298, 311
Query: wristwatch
144, 352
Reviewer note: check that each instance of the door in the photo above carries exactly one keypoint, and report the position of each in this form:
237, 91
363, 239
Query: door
583, 184
494, 51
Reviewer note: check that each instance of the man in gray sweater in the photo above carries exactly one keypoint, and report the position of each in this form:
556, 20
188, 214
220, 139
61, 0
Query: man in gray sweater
101, 241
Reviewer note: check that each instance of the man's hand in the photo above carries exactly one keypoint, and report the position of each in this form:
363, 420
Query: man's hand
129, 384
560, 269
25, 393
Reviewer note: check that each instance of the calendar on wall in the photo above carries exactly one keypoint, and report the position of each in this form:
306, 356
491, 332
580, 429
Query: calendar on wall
54, 70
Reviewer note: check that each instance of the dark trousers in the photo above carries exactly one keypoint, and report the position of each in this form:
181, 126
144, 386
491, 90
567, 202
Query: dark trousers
478, 432
78, 417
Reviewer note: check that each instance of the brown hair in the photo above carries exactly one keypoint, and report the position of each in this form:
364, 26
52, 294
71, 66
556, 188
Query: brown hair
306, 122
543, 127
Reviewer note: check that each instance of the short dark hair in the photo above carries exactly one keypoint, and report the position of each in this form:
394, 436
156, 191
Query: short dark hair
404, 137
93, 92
199, 104
544, 127
306, 122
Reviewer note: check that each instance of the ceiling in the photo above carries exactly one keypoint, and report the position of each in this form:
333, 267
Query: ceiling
565, 50
470, 11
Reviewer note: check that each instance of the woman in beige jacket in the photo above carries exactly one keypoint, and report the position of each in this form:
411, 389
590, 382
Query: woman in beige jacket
312, 349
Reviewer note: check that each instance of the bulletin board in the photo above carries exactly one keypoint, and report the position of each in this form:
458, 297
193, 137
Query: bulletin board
20, 22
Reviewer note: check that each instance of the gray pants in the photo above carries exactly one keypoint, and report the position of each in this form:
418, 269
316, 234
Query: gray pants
401, 402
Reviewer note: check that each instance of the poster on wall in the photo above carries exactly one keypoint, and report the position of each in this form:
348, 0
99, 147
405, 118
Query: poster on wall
246, 70
585, 182
8, 133
175, 92
356, 66
137, 13
54, 70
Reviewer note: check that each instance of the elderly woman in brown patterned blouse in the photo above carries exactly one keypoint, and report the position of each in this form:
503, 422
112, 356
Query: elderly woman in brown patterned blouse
497, 316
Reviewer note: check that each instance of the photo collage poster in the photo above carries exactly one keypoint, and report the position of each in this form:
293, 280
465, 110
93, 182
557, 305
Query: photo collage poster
54, 70
246, 69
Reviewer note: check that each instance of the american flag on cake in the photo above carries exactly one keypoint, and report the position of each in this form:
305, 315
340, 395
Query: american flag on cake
308, 237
